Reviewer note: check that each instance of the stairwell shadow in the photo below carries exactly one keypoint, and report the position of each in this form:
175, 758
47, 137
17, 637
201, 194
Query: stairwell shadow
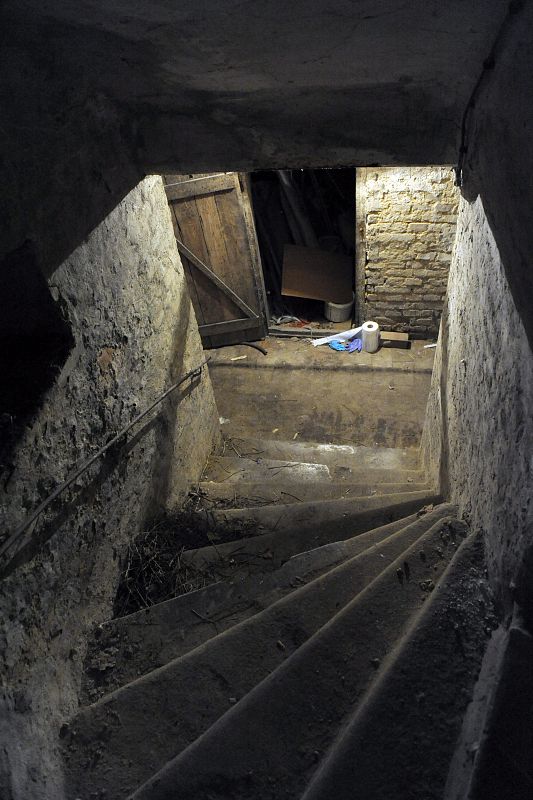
164, 423
114, 462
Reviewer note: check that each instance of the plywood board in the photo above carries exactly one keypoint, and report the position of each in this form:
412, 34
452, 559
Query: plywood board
317, 274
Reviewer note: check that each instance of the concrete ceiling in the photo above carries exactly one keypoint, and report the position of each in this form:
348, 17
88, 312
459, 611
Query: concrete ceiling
96, 93
264, 83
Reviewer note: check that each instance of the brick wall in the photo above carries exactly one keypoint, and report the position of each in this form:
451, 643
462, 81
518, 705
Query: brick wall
406, 220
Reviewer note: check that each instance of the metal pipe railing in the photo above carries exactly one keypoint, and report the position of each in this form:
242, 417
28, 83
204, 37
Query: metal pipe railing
15, 536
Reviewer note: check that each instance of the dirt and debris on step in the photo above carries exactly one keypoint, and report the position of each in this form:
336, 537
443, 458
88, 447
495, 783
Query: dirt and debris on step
153, 566
200, 500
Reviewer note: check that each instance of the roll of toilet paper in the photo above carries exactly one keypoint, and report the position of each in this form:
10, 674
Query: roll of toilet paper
370, 336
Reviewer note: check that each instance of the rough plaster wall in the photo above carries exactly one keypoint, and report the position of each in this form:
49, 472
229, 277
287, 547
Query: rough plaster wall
125, 295
479, 414
408, 233
499, 155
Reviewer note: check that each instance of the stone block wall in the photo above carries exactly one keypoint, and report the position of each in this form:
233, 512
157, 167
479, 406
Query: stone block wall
406, 219
124, 295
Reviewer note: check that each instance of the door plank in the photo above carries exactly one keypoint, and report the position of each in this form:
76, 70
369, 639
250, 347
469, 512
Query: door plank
194, 187
244, 194
229, 325
215, 240
211, 301
238, 270
216, 280
193, 291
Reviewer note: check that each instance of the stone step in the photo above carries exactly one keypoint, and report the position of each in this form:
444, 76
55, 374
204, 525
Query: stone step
331, 515
292, 529
333, 455
232, 469
107, 743
131, 646
492, 759
248, 495
270, 742
400, 741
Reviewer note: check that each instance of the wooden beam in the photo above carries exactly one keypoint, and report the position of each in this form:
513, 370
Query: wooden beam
360, 243
396, 336
223, 182
189, 255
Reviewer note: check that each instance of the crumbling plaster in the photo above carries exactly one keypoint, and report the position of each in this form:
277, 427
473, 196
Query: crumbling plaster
125, 296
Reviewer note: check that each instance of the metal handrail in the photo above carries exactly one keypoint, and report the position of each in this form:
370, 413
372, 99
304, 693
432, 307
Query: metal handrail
11, 540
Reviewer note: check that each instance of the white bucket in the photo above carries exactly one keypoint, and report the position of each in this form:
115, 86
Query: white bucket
338, 312
370, 335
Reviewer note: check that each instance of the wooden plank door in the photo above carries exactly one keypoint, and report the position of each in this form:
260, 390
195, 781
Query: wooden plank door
215, 234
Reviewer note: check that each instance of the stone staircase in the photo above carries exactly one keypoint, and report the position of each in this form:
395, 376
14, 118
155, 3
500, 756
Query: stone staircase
332, 656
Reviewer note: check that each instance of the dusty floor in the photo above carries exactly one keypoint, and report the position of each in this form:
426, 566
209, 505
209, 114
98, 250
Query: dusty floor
301, 392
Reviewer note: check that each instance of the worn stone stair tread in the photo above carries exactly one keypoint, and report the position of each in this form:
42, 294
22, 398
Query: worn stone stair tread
493, 755
232, 469
286, 517
359, 456
246, 494
400, 740
268, 745
290, 534
188, 694
132, 646
472, 740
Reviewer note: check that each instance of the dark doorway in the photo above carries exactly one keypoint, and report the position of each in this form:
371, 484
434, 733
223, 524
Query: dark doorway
307, 216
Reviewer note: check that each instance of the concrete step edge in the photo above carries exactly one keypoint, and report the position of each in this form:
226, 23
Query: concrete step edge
307, 514
312, 691
248, 495
319, 453
232, 469
191, 619
433, 668
289, 534
190, 693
